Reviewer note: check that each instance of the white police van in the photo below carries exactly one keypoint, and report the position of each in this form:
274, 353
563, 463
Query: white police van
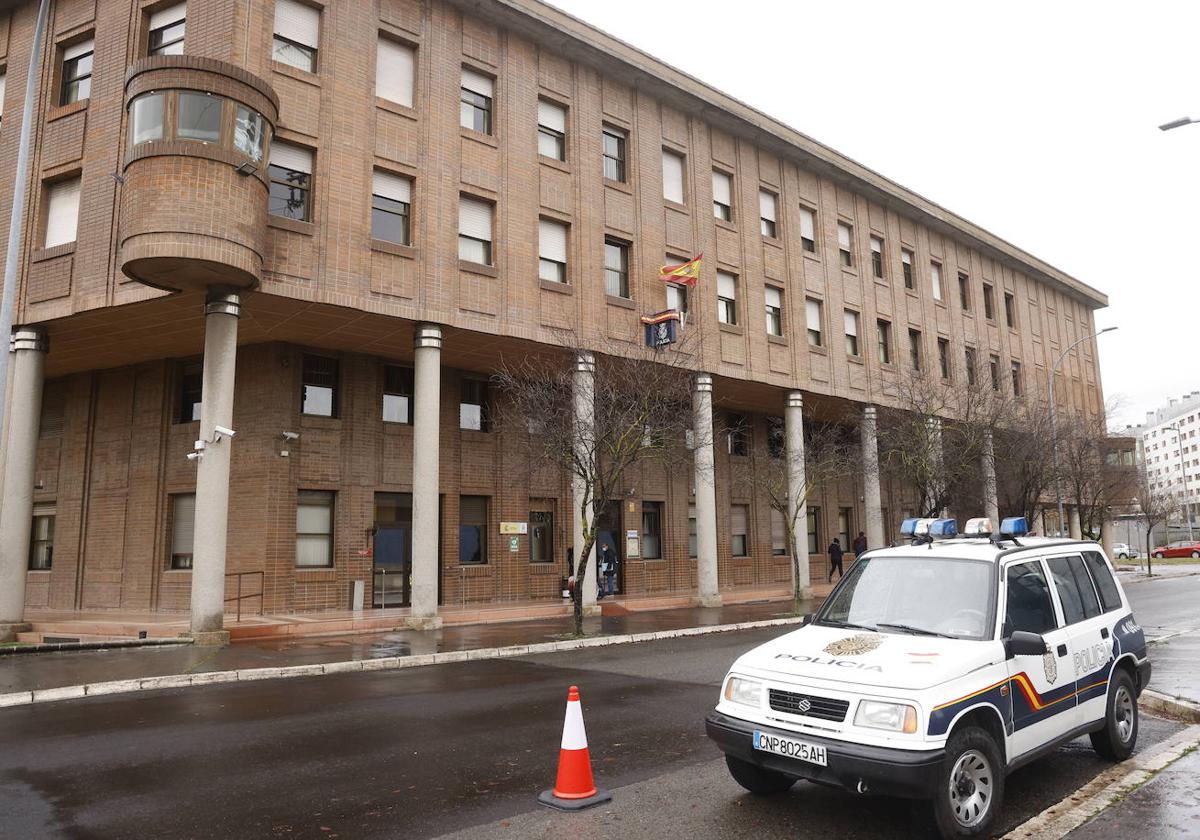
934, 669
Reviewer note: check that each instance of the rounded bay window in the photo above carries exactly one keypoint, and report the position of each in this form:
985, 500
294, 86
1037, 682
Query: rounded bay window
194, 200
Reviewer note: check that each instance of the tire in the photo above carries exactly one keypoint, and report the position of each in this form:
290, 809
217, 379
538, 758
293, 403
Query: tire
758, 780
970, 787
1195, 554
1119, 735
1158, 555
1122, 556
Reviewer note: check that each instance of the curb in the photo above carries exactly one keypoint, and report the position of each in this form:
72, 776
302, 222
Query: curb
392, 663
1179, 708
51, 647
1108, 788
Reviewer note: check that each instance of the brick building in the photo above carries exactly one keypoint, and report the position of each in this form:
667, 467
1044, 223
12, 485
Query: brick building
331, 219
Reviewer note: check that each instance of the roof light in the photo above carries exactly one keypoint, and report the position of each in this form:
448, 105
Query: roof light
908, 527
978, 527
1014, 526
943, 528
923, 526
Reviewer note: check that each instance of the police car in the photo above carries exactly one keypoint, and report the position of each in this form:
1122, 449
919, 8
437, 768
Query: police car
936, 668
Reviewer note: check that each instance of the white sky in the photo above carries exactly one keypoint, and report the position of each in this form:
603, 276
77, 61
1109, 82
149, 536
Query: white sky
1035, 120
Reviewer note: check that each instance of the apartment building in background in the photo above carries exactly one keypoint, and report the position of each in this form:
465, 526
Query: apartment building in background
320, 225
1168, 445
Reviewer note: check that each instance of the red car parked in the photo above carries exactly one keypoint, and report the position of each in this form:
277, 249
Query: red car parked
1177, 549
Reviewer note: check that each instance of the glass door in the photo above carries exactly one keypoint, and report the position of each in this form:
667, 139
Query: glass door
392, 584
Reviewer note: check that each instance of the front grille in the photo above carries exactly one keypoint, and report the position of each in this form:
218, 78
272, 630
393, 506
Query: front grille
806, 705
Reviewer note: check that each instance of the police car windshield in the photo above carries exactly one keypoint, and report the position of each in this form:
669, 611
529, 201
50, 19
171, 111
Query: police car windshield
921, 595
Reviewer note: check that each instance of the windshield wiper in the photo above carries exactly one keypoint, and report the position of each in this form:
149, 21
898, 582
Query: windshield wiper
830, 622
920, 631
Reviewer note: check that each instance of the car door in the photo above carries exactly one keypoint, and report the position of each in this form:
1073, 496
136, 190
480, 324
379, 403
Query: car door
1096, 650
1041, 688
1090, 645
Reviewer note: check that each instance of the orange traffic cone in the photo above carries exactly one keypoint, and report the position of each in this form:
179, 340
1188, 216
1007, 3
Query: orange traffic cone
574, 788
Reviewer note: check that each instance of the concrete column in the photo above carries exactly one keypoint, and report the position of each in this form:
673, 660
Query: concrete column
708, 586
4, 416
221, 310
793, 425
28, 347
991, 503
426, 463
1073, 519
1039, 523
872, 501
934, 440
1106, 536
583, 379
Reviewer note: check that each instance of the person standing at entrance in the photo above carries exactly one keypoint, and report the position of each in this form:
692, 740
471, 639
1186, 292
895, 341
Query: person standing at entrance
860, 544
835, 559
608, 570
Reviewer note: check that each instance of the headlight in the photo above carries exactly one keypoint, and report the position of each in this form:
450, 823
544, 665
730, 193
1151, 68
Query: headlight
896, 717
743, 691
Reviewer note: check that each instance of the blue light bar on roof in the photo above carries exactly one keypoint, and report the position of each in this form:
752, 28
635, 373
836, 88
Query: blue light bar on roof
1014, 526
943, 528
908, 527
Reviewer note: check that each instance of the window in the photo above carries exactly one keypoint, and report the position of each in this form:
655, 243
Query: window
914, 349
616, 267
474, 409
475, 101
147, 114
166, 30
989, 302
62, 213
738, 435
906, 264
851, 322
692, 537
994, 371
844, 528
474, 231
812, 316
541, 536
613, 141
1075, 591
970, 365
944, 357
472, 530
672, 166
314, 529
297, 31
183, 526
726, 298
652, 515
3, 83
391, 201
808, 230
77, 72
1010, 311
249, 132
845, 236
1029, 607
397, 394
779, 540
552, 251
320, 380
884, 329
1016, 378
877, 257
191, 390
813, 530
677, 298
199, 117
1102, 576
41, 541
935, 280
739, 519
722, 202
964, 292
395, 65
774, 311
776, 437
766, 214
290, 171
552, 130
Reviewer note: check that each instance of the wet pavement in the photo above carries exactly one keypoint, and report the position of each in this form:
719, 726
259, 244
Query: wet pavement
25, 672
1165, 808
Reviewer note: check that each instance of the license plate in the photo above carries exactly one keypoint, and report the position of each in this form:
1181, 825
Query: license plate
790, 747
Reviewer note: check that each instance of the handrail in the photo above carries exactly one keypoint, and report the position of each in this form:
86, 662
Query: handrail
240, 597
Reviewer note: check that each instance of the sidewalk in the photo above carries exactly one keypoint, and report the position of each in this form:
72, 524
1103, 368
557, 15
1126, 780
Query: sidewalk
40, 671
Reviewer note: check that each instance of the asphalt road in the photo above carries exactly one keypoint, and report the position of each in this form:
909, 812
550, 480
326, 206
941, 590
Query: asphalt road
428, 751
1164, 605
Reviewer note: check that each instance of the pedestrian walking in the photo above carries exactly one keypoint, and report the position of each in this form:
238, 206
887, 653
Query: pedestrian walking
608, 570
860, 543
835, 560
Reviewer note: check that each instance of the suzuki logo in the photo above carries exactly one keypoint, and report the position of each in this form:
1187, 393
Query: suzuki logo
804, 705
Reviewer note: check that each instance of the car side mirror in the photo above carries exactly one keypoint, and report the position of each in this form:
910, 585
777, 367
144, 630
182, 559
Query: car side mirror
807, 619
1024, 643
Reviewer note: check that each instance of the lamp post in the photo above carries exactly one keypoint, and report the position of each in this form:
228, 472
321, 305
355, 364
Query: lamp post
1187, 512
1179, 123
1054, 421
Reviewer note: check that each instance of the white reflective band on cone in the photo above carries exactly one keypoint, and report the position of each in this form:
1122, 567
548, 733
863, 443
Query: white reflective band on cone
574, 738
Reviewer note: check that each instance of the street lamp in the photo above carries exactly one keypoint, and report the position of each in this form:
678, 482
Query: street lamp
1179, 123
1187, 512
1054, 423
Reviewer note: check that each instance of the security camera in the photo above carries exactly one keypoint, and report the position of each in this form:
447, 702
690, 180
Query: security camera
195, 456
221, 430
291, 435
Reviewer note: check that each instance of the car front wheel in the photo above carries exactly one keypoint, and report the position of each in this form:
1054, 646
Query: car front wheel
1195, 554
970, 787
1122, 556
1119, 735
1158, 555
757, 780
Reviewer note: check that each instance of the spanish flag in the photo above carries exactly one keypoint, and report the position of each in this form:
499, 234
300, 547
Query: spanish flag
686, 273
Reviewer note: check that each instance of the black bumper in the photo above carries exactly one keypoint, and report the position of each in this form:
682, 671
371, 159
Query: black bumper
885, 771
1143, 676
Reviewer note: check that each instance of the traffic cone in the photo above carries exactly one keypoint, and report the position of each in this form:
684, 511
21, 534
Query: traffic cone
574, 789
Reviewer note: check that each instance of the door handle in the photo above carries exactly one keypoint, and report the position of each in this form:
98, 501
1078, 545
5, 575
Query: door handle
1062, 650
1103, 632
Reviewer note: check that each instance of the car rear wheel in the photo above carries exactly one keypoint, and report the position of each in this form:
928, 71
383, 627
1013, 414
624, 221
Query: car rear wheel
970, 788
1122, 556
1119, 735
1158, 555
1195, 554
758, 780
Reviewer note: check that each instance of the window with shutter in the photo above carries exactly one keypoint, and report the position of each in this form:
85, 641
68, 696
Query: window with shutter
726, 298
391, 202
616, 267
77, 72
183, 524
552, 251
851, 322
475, 101
774, 301
808, 230
766, 213
672, 165
614, 142
906, 264
812, 315
394, 71
779, 541
290, 174
722, 203
877, 257
475, 231
314, 529
935, 280
297, 33
552, 130
844, 244
62, 215
739, 518
167, 30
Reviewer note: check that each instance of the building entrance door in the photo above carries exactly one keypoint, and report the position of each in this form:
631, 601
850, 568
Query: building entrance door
392, 584
609, 533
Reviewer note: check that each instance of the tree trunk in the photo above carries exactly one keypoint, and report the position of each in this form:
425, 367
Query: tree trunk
589, 540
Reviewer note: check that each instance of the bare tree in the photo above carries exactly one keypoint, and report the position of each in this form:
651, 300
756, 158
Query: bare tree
1024, 460
1157, 507
1087, 477
642, 414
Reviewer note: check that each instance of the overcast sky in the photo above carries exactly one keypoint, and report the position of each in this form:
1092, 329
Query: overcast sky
1036, 120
